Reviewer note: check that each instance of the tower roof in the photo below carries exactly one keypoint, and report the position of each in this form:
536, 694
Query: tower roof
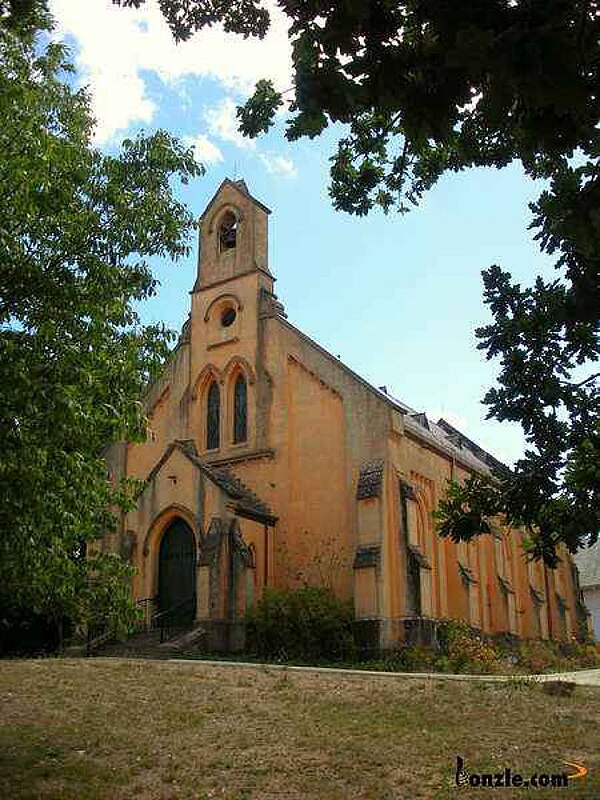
241, 186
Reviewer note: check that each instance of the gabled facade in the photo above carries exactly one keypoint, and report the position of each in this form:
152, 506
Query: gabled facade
281, 466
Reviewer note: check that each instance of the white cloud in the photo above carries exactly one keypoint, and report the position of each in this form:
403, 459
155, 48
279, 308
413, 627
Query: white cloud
223, 123
116, 45
279, 165
205, 151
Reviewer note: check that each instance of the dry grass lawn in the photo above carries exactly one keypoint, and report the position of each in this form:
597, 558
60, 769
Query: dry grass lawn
102, 728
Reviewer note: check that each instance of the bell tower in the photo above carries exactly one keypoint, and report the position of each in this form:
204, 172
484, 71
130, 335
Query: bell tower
233, 237
232, 300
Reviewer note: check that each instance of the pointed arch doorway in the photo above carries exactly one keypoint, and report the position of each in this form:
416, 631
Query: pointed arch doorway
177, 572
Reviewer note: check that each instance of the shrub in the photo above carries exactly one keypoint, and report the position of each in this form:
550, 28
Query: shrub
548, 656
538, 656
582, 654
308, 624
25, 633
464, 650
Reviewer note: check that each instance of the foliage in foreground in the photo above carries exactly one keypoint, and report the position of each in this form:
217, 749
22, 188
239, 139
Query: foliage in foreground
307, 624
427, 88
311, 626
461, 649
77, 229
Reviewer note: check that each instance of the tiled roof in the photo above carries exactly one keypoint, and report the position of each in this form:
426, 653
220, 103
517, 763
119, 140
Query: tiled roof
240, 185
445, 437
421, 419
460, 440
438, 437
370, 480
246, 501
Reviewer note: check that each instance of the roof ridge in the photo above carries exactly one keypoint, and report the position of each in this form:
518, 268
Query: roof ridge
249, 501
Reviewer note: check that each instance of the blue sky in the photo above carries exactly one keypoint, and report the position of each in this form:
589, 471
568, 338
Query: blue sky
397, 298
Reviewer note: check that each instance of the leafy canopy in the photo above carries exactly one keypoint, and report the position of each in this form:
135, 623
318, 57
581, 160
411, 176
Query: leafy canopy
77, 230
429, 86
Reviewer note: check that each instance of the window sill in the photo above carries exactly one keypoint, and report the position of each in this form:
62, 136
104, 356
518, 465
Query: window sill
247, 455
229, 340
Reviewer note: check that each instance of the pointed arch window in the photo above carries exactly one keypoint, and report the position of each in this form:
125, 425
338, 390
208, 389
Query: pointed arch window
240, 410
213, 416
228, 232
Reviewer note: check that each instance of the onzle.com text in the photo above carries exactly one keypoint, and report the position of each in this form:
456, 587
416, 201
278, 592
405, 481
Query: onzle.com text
507, 778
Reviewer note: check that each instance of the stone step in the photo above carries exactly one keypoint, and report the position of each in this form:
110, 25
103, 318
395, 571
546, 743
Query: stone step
148, 644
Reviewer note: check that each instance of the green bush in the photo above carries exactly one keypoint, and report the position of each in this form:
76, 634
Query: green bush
417, 658
311, 626
539, 656
548, 656
582, 654
308, 624
464, 650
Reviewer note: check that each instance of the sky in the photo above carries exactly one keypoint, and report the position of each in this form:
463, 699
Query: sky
397, 297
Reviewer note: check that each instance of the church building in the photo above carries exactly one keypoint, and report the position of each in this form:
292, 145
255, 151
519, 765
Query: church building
268, 462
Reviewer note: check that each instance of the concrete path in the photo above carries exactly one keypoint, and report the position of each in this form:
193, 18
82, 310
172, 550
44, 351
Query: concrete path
583, 677
586, 677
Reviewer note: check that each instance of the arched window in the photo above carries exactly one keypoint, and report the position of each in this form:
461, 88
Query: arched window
240, 410
228, 232
213, 416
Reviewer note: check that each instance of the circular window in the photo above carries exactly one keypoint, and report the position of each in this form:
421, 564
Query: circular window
228, 317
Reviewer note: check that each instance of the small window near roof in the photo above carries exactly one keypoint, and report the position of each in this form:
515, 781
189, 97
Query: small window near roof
228, 232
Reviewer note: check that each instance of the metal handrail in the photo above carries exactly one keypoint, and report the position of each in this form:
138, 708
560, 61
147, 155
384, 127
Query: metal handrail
101, 633
163, 617
147, 603
94, 642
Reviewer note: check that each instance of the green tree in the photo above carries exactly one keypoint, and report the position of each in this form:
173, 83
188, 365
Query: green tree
424, 87
76, 232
